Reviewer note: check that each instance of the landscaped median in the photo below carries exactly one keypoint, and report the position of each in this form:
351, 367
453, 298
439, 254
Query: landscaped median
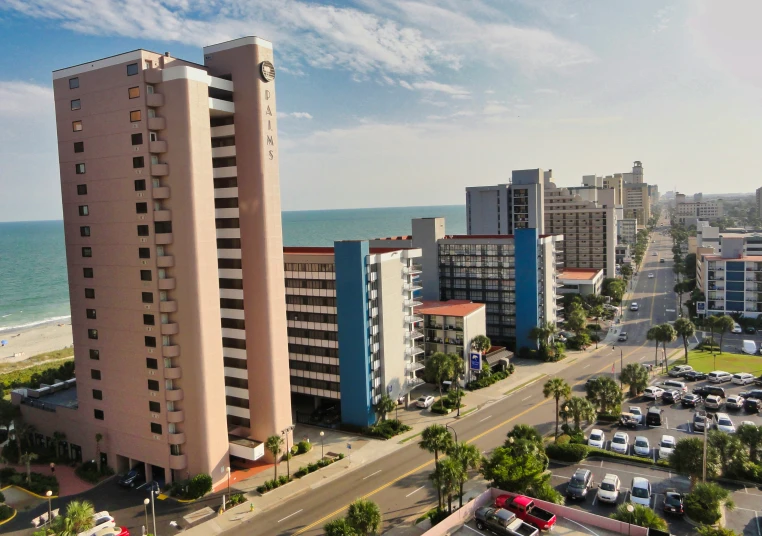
275, 483
574, 453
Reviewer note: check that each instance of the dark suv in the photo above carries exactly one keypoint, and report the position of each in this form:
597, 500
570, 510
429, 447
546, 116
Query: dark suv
655, 416
752, 405
705, 390
581, 481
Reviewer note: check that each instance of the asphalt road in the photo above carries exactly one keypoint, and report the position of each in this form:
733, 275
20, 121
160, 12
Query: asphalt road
399, 483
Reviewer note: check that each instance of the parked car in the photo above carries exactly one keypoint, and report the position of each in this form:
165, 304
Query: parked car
674, 384
706, 390
526, 510
579, 484
424, 401
641, 446
666, 446
608, 490
638, 412
712, 402
690, 400
655, 416
622, 336
679, 370
596, 439
734, 402
671, 397
719, 376
751, 330
132, 479
653, 392
736, 329
650, 275
661, 261
749, 347
699, 420
723, 423
673, 502
501, 521
694, 376
747, 423
634, 306
754, 393
640, 491
752, 405
743, 378
620, 442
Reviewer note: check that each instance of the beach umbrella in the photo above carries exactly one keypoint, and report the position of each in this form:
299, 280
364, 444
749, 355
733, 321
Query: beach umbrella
3, 342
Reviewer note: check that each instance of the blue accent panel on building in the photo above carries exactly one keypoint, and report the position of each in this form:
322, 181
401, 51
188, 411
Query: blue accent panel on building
527, 291
735, 276
734, 307
736, 266
735, 285
734, 296
353, 324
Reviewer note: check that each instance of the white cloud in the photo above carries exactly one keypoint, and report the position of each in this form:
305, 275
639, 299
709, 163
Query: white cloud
489, 91
432, 102
546, 91
663, 18
295, 115
406, 85
22, 99
495, 109
430, 85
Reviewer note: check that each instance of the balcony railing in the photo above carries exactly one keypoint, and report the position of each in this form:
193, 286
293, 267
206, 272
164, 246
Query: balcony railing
415, 365
414, 350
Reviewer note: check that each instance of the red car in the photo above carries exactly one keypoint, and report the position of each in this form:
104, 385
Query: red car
525, 509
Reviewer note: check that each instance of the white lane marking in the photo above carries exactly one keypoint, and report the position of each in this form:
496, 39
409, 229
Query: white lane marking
642, 358
373, 474
285, 518
485, 418
561, 476
756, 518
526, 398
595, 497
419, 489
476, 531
585, 366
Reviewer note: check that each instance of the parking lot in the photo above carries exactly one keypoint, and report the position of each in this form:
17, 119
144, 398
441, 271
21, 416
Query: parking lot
563, 527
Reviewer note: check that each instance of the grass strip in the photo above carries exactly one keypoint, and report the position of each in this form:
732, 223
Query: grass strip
539, 376
411, 437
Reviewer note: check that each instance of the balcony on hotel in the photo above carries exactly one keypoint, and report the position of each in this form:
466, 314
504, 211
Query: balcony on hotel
173, 373
159, 170
169, 306
161, 192
156, 123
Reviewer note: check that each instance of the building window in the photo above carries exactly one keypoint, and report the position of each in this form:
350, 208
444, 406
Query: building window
149, 320
87, 252
152, 363
79, 147
141, 208
95, 354
92, 334
150, 341
161, 227
138, 162
84, 231
155, 428
137, 139
132, 69
144, 253
91, 315
140, 185
90, 293
76, 126
81, 189
83, 210
97, 394
134, 116
87, 273
145, 275
95, 374
133, 92
73, 83
75, 104
148, 297
98, 414
154, 407
153, 385
79, 169
142, 230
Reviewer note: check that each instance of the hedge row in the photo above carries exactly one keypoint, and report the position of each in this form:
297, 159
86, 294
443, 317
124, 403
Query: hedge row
574, 453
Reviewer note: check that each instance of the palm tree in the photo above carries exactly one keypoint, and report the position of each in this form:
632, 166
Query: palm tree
439, 369
469, 457
543, 333
725, 323
27, 458
579, 409
449, 475
668, 335
339, 527
385, 405
711, 323
641, 516
654, 334
364, 516
604, 392
274, 444
751, 438
98, 439
436, 439
636, 376
78, 518
685, 329
481, 344
457, 368
557, 388
597, 312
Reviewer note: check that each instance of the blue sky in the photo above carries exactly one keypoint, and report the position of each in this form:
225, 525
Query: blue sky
406, 102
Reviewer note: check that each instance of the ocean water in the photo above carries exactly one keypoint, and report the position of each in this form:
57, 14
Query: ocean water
33, 280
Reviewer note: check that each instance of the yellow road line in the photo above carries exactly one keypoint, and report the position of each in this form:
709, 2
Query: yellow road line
476, 437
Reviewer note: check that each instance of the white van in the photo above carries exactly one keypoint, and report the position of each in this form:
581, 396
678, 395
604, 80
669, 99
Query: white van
749, 347
719, 376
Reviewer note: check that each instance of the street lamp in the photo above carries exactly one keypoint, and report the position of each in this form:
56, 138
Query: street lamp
145, 510
322, 450
453, 431
621, 365
285, 432
52, 467
630, 509
153, 507
49, 494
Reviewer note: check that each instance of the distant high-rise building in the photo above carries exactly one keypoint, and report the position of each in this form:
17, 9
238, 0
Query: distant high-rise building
759, 203
172, 218
636, 176
637, 203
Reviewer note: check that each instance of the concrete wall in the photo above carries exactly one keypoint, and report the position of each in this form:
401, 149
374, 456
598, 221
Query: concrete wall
481, 209
426, 232
392, 322
474, 325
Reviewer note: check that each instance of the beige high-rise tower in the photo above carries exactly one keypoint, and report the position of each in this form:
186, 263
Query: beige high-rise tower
169, 178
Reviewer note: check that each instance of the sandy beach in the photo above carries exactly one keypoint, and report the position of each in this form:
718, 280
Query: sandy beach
35, 340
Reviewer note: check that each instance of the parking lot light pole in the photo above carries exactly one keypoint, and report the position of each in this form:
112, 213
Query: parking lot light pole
145, 509
453, 431
630, 509
49, 494
322, 447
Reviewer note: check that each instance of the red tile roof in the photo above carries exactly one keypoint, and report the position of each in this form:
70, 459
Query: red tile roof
448, 308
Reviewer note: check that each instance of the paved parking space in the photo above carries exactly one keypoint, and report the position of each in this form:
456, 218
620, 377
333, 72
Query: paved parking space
563, 527
744, 519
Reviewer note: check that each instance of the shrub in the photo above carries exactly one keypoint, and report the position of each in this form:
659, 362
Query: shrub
486, 381
300, 472
236, 498
6, 473
39, 485
703, 503
341, 455
566, 453
577, 437
34, 376
546, 492
295, 450
435, 515
608, 417
199, 485
303, 446
88, 472
2, 497
641, 515
563, 439
387, 429
511, 368
5, 512
282, 479
312, 467
262, 489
